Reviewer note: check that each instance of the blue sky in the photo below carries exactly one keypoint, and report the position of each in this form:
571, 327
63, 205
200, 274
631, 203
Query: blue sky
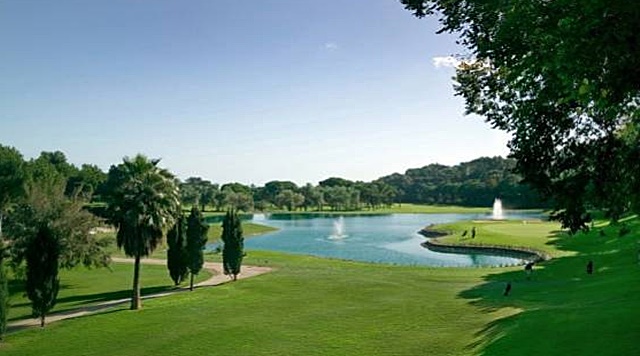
282, 89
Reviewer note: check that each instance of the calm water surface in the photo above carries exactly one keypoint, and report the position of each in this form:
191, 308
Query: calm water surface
391, 239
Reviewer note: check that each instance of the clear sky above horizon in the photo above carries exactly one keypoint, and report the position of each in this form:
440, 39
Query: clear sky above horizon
281, 90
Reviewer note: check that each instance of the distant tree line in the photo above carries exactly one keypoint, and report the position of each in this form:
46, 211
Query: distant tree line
473, 183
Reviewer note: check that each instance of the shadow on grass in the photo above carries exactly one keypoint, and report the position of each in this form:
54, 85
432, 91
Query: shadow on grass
558, 309
92, 301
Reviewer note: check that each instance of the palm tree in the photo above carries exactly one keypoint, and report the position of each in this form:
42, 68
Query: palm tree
142, 201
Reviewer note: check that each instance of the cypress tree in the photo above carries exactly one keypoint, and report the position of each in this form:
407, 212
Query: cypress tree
233, 250
177, 258
4, 297
196, 240
42, 283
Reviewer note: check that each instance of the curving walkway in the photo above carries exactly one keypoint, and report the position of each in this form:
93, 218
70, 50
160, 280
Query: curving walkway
217, 279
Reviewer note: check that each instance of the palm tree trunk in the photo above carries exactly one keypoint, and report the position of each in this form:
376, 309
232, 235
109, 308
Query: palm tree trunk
135, 298
191, 282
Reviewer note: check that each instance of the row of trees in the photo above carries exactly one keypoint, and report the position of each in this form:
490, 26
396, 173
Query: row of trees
48, 227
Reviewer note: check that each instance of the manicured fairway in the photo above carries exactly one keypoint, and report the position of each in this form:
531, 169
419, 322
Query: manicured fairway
538, 235
313, 306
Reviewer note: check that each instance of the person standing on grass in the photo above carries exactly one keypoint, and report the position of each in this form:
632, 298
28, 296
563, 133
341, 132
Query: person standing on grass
473, 232
590, 267
528, 269
507, 289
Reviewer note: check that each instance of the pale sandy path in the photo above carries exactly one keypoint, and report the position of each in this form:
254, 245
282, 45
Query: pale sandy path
217, 279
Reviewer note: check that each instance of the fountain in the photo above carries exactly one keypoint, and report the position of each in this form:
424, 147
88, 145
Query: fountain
338, 229
497, 210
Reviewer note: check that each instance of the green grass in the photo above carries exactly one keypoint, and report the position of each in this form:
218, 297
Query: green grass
404, 208
565, 311
83, 287
308, 306
314, 306
537, 235
249, 229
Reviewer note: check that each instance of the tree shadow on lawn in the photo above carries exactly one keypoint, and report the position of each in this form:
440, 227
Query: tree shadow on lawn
561, 301
71, 303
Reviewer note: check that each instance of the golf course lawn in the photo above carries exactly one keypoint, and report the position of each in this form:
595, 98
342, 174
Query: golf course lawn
537, 235
314, 306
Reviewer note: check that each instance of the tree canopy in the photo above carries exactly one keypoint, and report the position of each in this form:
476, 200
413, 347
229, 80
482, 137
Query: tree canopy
563, 77
142, 201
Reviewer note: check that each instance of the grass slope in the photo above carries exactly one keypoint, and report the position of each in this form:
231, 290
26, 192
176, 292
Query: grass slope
565, 311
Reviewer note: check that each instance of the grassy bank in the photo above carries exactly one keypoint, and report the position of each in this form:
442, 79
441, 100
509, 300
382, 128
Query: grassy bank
537, 235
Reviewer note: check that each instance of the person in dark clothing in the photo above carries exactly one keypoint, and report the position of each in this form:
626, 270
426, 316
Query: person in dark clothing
473, 232
507, 289
590, 267
464, 233
528, 269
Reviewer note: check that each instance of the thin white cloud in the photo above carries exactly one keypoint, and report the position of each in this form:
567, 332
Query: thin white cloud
446, 62
331, 46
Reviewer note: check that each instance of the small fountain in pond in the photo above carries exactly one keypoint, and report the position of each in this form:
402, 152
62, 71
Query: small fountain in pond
338, 229
497, 210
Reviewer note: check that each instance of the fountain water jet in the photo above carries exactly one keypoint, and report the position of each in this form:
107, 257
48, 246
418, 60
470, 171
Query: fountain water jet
338, 229
497, 210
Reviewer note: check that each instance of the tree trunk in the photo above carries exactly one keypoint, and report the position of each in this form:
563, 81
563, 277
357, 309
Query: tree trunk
42, 320
191, 282
235, 277
135, 298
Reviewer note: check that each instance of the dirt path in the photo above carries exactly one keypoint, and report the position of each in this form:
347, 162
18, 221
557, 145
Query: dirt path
217, 279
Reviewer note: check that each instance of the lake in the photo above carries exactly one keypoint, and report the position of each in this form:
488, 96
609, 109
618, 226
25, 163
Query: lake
389, 239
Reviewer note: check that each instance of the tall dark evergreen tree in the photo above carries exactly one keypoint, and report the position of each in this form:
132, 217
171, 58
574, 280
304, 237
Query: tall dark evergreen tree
42, 282
196, 240
233, 250
4, 296
177, 257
